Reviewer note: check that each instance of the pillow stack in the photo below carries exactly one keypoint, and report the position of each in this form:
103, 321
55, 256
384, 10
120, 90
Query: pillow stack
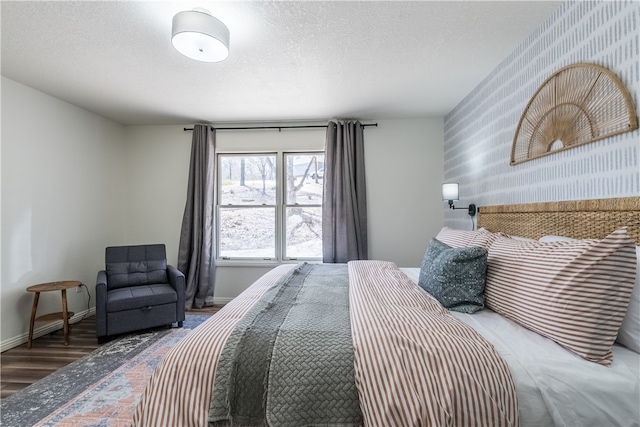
574, 292
629, 333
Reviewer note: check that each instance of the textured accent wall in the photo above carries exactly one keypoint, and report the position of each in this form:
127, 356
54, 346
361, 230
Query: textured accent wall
479, 131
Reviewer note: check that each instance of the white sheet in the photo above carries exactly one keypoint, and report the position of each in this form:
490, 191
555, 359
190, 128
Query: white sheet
554, 386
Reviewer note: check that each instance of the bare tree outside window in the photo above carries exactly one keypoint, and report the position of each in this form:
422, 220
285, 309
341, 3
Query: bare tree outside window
264, 166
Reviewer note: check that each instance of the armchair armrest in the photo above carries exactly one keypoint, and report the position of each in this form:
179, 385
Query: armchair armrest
177, 280
101, 304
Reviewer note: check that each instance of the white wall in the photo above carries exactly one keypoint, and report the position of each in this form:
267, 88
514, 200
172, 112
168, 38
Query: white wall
62, 201
403, 159
157, 171
404, 177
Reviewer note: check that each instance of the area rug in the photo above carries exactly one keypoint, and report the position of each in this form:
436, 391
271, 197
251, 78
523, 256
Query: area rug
100, 389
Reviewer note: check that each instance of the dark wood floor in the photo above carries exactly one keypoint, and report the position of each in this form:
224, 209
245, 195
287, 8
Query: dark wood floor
20, 366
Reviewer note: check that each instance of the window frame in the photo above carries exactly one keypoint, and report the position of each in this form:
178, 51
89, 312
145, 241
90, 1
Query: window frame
280, 208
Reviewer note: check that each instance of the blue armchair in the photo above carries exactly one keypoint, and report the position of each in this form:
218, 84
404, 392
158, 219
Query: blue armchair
137, 290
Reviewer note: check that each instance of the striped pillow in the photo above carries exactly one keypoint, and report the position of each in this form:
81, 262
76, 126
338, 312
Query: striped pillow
629, 333
575, 293
466, 239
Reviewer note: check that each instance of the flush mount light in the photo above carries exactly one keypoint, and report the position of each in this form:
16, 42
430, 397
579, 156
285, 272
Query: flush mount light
199, 35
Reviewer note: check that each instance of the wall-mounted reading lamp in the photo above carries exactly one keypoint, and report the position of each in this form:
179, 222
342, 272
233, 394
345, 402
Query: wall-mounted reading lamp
450, 192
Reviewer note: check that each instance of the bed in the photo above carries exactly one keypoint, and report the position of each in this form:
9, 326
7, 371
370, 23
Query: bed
406, 360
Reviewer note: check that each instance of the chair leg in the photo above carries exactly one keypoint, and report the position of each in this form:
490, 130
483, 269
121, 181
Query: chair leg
102, 340
179, 324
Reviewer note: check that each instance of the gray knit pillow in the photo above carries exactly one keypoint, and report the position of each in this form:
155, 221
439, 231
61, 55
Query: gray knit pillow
455, 276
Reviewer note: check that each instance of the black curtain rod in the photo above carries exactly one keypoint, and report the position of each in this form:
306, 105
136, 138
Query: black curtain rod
279, 127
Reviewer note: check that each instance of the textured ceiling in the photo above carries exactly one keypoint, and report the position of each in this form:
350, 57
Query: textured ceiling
289, 60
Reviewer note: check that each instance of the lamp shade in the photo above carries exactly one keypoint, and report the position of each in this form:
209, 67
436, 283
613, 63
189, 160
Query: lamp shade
198, 35
450, 191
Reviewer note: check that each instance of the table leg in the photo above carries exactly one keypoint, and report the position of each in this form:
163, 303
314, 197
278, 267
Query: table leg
36, 296
65, 317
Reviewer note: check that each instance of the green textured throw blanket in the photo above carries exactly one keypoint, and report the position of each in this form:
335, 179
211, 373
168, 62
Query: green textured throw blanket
289, 362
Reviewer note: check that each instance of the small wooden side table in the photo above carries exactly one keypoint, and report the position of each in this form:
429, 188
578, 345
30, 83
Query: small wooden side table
65, 314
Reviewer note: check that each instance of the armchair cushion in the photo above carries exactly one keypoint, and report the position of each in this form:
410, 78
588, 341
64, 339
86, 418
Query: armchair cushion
136, 265
140, 297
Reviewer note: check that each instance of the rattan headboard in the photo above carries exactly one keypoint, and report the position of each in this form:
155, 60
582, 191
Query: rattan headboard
581, 219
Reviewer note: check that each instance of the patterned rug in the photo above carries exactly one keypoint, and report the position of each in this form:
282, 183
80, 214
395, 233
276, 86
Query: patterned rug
100, 389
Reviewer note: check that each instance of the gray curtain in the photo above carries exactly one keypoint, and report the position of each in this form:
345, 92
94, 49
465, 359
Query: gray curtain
344, 209
196, 251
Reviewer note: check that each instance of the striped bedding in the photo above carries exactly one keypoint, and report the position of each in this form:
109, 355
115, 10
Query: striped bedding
415, 364
575, 293
180, 389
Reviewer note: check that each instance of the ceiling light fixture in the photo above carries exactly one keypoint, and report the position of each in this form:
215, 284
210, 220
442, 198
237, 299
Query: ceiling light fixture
199, 35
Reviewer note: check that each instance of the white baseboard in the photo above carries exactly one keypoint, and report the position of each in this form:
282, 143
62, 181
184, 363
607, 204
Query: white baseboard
43, 330
222, 300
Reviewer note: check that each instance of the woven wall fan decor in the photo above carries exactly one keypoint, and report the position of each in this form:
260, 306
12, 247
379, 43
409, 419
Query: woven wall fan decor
578, 104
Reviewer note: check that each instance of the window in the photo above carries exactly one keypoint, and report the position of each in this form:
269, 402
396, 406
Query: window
270, 206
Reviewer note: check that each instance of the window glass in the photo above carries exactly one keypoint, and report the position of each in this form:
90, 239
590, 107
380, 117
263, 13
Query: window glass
247, 232
304, 232
247, 180
304, 181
